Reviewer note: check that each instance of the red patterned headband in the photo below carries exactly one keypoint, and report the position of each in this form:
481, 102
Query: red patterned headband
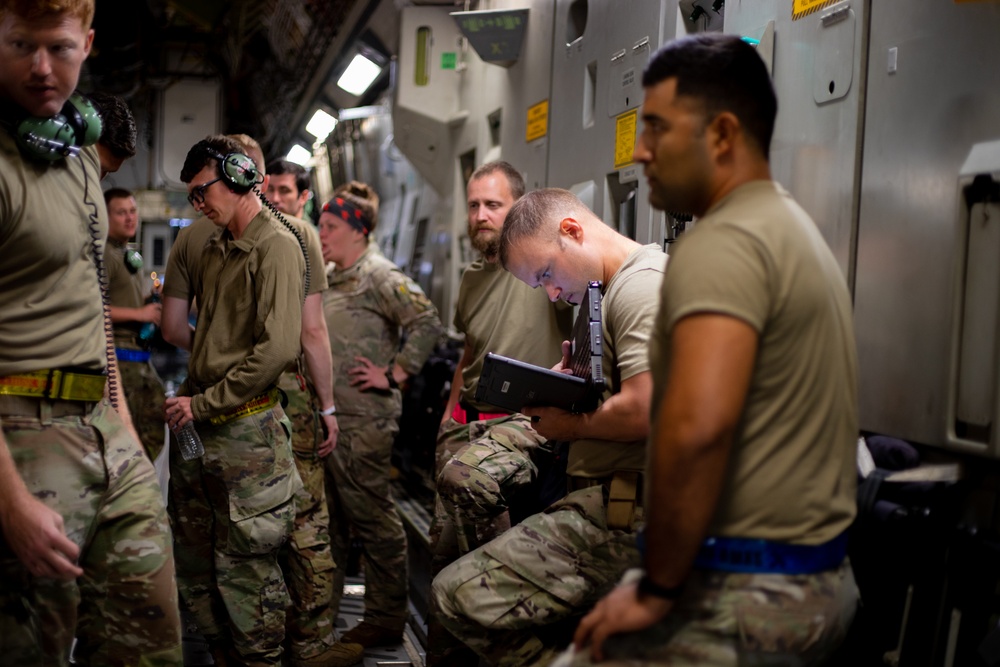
350, 213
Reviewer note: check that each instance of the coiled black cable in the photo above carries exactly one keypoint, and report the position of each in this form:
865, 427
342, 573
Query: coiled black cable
94, 227
302, 242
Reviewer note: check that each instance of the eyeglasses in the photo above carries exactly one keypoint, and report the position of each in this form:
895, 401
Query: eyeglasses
197, 195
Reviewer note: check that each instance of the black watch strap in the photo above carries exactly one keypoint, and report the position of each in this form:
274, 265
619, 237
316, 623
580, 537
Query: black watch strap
392, 380
648, 587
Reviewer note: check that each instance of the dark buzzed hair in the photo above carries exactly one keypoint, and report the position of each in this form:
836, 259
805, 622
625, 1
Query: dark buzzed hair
205, 153
527, 218
118, 126
279, 167
116, 193
723, 73
514, 179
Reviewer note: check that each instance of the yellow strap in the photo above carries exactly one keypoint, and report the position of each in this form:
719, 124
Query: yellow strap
55, 385
251, 407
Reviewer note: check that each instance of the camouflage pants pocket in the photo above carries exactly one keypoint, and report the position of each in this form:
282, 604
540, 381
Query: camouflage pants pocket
306, 541
260, 534
776, 636
794, 620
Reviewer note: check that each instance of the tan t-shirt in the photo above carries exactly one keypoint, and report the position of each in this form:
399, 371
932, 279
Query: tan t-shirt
250, 315
758, 257
50, 300
183, 268
124, 289
180, 280
314, 250
498, 313
628, 310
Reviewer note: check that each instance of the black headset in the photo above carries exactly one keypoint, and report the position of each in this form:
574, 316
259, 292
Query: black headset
78, 124
238, 171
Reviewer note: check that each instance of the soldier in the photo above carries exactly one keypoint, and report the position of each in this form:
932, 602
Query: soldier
753, 436
233, 508
85, 549
129, 312
117, 142
371, 307
288, 187
499, 314
510, 599
307, 561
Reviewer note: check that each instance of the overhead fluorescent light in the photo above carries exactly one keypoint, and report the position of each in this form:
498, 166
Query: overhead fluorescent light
299, 154
321, 124
354, 113
359, 75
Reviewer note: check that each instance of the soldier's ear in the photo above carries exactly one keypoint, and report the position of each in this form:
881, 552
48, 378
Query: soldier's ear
571, 227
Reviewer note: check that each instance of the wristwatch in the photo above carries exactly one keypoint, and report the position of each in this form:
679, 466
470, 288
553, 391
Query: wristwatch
648, 587
389, 376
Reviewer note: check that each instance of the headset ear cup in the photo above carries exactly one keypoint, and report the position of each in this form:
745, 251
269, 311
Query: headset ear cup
48, 139
81, 114
239, 171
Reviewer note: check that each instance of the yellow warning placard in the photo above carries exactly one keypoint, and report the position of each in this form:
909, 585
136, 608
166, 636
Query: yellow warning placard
802, 8
625, 126
538, 121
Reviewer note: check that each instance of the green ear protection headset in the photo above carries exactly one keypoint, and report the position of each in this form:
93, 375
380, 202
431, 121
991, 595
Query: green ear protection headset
78, 124
238, 171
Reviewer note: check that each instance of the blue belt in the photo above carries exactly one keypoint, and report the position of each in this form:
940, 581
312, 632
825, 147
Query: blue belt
131, 355
755, 556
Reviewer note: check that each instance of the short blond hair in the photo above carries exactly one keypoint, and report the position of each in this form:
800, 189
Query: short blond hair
252, 148
32, 10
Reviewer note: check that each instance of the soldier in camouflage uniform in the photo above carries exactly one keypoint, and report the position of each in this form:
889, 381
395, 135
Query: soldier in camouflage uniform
752, 469
485, 464
513, 600
307, 561
232, 508
85, 547
142, 387
371, 307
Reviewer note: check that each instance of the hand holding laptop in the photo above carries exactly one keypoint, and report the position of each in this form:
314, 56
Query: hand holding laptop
576, 384
565, 364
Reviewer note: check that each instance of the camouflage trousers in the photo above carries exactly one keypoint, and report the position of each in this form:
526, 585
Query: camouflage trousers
516, 600
307, 561
360, 499
123, 610
488, 470
145, 397
231, 511
739, 620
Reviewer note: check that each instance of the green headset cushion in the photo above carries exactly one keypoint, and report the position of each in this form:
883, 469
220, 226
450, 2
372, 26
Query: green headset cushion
239, 170
53, 138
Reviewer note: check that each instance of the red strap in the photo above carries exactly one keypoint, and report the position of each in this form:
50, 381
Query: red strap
459, 415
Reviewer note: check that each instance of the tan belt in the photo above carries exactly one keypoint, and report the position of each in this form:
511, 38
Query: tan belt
252, 407
624, 496
55, 384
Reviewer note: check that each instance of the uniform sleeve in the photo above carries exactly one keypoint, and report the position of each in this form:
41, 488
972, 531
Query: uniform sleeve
278, 292
720, 269
630, 317
317, 268
176, 280
403, 302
